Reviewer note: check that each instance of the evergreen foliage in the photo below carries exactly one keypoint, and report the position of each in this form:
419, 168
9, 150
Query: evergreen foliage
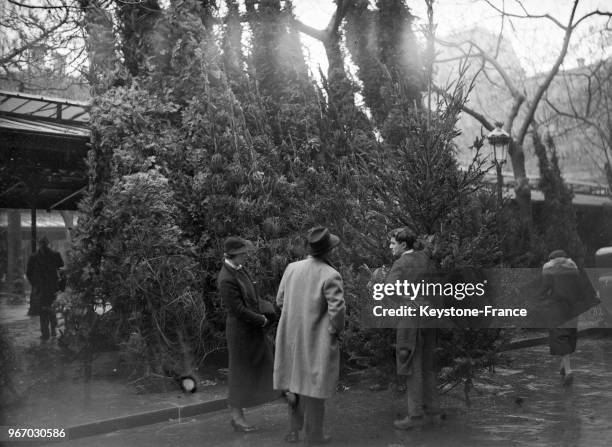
200, 141
178, 165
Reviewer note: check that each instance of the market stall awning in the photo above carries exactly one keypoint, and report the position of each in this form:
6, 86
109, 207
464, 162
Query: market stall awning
43, 147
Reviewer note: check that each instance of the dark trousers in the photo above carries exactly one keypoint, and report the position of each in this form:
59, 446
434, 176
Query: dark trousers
422, 384
308, 413
48, 320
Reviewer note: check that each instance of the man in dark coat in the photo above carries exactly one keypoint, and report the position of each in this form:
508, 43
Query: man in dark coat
43, 273
415, 346
251, 359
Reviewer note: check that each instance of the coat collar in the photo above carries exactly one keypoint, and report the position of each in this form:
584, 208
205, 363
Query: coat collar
241, 271
230, 264
323, 259
559, 265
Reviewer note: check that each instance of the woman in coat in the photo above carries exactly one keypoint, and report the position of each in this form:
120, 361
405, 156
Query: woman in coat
251, 359
565, 285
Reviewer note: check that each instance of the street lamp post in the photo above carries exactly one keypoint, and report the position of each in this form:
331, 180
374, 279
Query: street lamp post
499, 139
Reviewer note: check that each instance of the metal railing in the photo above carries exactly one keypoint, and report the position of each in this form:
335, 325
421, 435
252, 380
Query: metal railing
577, 187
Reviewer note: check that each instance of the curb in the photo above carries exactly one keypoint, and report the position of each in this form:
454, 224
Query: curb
179, 412
530, 342
145, 418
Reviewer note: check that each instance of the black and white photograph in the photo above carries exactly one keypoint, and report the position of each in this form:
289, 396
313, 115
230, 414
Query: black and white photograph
244, 223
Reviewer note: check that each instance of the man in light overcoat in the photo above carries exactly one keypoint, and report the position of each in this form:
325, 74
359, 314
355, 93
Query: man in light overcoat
307, 358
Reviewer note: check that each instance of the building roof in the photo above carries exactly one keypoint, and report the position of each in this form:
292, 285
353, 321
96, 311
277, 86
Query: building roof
43, 127
36, 106
51, 219
43, 147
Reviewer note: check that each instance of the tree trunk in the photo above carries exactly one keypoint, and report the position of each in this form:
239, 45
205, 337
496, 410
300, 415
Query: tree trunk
100, 45
522, 188
14, 267
137, 21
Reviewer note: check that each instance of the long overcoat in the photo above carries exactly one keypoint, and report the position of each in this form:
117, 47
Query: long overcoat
250, 351
42, 272
411, 267
566, 288
307, 358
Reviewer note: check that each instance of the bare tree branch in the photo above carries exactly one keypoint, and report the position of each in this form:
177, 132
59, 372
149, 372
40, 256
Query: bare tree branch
332, 27
477, 116
526, 14
32, 43
483, 55
25, 5
590, 14
310, 31
549, 77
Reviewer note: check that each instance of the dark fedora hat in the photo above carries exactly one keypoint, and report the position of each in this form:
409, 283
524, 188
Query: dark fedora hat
234, 245
320, 241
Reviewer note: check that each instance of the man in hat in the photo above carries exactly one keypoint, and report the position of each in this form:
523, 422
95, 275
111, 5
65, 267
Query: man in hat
307, 359
415, 346
43, 273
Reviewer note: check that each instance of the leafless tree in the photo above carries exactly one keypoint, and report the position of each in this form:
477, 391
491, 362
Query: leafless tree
522, 112
41, 41
581, 108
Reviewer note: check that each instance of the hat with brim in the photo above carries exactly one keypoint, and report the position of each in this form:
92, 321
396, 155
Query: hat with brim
235, 246
320, 241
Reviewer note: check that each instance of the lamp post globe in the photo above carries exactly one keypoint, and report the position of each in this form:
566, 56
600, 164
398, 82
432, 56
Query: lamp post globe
499, 139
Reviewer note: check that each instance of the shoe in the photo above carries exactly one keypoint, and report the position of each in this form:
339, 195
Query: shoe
324, 439
242, 428
562, 371
409, 422
44, 337
292, 437
568, 379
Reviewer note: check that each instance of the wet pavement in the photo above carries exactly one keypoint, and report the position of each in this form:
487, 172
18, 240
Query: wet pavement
75, 402
53, 392
12, 312
523, 405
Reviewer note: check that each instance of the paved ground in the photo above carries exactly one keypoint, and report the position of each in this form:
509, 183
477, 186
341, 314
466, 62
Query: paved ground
52, 393
522, 406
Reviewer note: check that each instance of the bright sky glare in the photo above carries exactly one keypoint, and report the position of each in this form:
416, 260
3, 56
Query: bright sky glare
535, 41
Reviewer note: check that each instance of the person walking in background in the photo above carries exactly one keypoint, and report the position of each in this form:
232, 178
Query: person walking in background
415, 346
44, 276
565, 285
307, 359
250, 352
